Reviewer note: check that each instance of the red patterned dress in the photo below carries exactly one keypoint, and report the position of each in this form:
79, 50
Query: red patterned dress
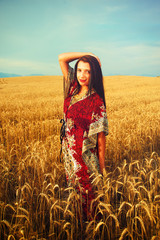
84, 119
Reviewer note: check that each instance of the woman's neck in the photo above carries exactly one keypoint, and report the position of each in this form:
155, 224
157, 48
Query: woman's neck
83, 89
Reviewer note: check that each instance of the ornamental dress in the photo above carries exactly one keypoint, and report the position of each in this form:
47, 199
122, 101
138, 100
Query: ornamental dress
84, 119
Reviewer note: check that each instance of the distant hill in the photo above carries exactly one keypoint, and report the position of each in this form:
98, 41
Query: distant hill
5, 75
36, 74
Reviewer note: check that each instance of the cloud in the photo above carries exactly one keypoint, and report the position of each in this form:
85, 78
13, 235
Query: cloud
140, 59
118, 8
24, 67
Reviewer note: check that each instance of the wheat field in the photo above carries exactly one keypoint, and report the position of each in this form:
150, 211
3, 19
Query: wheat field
35, 202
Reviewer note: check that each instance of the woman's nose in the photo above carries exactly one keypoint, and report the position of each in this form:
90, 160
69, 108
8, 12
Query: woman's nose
82, 74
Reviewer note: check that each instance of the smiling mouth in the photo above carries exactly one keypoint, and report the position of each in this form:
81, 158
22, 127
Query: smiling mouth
82, 80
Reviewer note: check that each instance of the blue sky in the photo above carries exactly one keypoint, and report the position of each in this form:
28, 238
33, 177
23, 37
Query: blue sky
125, 34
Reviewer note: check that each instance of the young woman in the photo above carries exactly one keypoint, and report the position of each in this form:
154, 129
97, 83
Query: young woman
85, 122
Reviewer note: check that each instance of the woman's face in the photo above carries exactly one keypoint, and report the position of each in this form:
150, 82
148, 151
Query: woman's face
83, 73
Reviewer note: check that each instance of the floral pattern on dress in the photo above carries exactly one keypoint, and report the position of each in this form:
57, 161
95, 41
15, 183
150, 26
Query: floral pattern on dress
70, 124
71, 164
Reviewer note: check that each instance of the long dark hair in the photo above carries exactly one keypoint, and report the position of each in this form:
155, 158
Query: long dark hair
96, 79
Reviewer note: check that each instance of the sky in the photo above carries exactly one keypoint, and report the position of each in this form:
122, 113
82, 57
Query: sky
124, 34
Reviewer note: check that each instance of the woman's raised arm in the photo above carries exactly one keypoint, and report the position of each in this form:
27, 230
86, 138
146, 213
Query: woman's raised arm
66, 58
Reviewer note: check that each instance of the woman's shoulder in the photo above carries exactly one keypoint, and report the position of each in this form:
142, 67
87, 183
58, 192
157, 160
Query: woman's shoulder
97, 98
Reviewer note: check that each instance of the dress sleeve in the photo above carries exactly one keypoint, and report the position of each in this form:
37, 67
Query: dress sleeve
98, 123
69, 83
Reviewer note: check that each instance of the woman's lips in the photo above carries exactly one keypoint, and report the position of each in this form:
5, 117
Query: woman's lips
82, 80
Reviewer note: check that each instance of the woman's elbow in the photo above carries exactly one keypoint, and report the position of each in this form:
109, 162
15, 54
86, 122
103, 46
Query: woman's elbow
60, 57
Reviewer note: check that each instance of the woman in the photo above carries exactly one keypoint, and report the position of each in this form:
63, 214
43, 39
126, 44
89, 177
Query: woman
85, 122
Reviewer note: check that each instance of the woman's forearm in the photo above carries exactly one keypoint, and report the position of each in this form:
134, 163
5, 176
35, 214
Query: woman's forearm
66, 58
71, 56
101, 150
